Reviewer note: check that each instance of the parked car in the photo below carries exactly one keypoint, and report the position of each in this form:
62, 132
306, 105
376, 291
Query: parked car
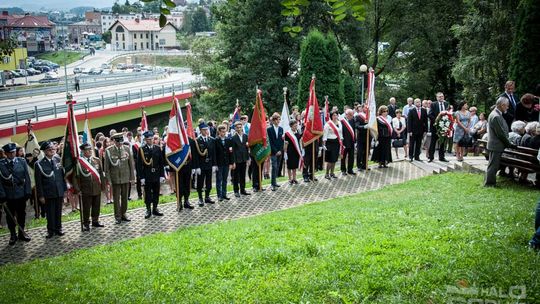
32, 71
95, 71
105, 66
23, 72
106, 72
121, 66
16, 74
42, 68
50, 77
78, 70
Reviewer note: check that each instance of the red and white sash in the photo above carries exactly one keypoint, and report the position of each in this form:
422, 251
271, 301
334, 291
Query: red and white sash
384, 121
90, 168
336, 132
297, 147
345, 123
363, 116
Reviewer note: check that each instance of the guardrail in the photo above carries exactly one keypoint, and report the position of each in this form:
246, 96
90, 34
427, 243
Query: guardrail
21, 115
86, 83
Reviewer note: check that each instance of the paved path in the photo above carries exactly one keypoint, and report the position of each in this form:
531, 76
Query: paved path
285, 197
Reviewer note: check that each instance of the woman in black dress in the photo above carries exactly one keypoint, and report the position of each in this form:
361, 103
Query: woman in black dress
332, 143
382, 153
294, 152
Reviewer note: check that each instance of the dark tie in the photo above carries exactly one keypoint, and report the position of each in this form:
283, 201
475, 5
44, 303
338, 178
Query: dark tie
10, 165
441, 106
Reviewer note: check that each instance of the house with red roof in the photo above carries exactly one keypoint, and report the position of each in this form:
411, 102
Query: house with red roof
140, 34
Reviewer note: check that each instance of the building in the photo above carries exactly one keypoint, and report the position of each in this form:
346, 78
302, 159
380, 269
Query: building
107, 20
80, 32
17, 60
35, 33
135, 35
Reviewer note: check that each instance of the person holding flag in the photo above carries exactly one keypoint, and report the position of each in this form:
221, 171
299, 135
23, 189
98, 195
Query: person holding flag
88, 183
258, 142
294, 153
313, 130
204, 163
151, 170
382, 153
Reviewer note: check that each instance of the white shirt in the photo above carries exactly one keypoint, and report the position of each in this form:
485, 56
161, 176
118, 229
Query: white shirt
395, 122
406, 109
328, 132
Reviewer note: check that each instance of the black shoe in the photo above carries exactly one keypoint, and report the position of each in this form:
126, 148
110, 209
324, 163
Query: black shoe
306, 180
327, 177
443, 160
201, 203
534, 246
295, 181
351, 173
59, 233
118, 222
259, 190
86, 227
277, 186
49, 235
411, 160
333, 176
156, 212
97, 224
148, 214
209, 201
314, 179
125, 219
220, 199
23, 236
226, 198
273, 188
236, 194
417, 159
430, 160
12, 240
187, 205
343, 173
245, 193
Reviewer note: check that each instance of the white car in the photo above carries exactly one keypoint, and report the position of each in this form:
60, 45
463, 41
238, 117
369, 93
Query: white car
50, 77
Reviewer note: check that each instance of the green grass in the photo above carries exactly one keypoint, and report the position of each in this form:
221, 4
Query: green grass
165, 61
401, 244
58, 57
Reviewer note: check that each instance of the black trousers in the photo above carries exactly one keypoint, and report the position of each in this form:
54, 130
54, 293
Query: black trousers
255, 175
363, 147
151, 194
308, 170
54, 213
91, 204
17, 208
415, 145
184, 183
206, 179
347, 160
434, 140
239, 177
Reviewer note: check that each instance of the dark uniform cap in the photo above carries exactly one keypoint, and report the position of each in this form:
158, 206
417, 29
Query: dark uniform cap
148, 134
46, 145
203, 125
85, 146
118, 137
10, 147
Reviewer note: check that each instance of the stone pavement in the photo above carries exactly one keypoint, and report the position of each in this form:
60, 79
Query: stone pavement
285, 197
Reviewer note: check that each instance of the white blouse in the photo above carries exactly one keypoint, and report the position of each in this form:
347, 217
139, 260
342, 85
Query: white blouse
328, 132
395, 122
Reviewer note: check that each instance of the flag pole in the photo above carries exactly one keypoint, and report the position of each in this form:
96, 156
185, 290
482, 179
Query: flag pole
367, 149
284, 161
71, 114
178, 205
260, 176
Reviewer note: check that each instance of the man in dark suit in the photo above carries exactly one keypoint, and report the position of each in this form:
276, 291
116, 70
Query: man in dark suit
205, 163
224, 161
513, 100
349, 139
240, 156
15, 190
392, 107
275, 137
362, 140
50, 188
150, 169
497, 140
436, 108
417, 123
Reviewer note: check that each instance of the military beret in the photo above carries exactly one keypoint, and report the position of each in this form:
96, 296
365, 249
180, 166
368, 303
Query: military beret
46, 145
10, 147
85, 146
148, 134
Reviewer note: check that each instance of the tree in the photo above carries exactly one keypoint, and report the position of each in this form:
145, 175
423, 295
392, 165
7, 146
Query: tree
199, 21
152, 7
116, 8
107, 36
331, 83
525, 53
312, 63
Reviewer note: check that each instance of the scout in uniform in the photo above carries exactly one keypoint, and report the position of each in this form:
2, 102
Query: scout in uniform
15, 189
50, 188
88, 183
119, 168
150, 169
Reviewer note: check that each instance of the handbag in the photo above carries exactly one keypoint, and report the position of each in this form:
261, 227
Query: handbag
466, 141
398, 143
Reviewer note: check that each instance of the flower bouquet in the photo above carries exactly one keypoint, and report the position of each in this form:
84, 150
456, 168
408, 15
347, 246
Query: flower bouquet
445, 125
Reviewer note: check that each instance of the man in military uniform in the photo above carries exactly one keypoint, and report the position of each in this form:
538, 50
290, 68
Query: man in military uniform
150, 169
15, 189
50, 188
204, 163
184, 178
119, 168
88, 183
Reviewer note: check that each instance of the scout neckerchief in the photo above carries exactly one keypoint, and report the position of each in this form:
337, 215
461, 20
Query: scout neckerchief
346, 124
384, 121
297, 147
90, 168
334, 128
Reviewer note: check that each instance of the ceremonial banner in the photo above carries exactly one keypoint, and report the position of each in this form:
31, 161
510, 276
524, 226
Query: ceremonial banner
177, 146
372, 112
313, 127
257, 138
70, 153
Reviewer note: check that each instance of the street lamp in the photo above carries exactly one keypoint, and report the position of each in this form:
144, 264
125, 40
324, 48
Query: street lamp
363, 70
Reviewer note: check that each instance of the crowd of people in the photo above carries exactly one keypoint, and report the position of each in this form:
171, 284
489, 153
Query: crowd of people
120, 163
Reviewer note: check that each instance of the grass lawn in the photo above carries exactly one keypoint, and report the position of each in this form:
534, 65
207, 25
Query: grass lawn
402, 244
58, 57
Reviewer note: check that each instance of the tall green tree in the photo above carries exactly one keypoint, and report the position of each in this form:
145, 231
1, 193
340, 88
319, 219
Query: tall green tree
330, 82
525, 54
312, 63
199, 21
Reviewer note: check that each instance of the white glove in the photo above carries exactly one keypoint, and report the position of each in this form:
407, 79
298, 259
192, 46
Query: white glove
324, 147
214, 169
193, 172
285, 156
364, 126
142, 181
198, 171
162, 180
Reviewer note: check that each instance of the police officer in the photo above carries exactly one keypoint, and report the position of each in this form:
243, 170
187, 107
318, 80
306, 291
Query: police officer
15, 189
88, 183
150, 169
204, 163
119, 168
50, 187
